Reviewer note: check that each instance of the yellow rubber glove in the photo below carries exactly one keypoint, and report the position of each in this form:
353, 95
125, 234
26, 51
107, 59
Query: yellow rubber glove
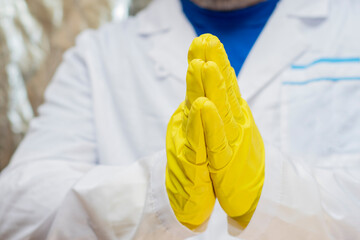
188, 182
235, 149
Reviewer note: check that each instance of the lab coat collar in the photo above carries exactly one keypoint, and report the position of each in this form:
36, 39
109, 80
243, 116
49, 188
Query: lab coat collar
157, 17
282, 40
153, 19
170, 33
309, 8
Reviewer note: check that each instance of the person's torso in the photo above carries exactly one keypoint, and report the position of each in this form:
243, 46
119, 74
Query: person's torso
301, 80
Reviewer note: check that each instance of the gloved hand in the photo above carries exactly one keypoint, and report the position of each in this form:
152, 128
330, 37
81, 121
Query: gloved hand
188, 182
215, 134
234, 146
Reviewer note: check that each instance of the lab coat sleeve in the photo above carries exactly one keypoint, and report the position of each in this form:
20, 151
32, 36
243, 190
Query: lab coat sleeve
303, 202
84, 201
58, 149
54, 186
118, 203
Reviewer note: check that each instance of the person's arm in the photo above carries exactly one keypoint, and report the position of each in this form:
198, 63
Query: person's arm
111, 202
53, 186
303, 202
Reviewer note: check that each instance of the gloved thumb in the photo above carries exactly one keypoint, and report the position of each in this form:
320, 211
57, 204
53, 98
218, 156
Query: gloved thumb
195, 150
218, 149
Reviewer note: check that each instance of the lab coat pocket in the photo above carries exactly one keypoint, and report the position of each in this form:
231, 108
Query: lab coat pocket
321, 109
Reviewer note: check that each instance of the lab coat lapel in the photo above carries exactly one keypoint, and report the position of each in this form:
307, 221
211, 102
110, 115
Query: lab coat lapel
281, 41
170, 35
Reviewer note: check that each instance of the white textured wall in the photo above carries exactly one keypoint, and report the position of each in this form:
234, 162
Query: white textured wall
33, 36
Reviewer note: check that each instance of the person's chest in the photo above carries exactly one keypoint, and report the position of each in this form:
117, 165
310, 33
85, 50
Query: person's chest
303, 87
310, 108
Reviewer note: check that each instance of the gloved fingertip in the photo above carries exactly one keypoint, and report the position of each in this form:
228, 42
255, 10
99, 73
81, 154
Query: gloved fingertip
213, 41
211, 75
199, 103
197, 49
210, 107
211, 66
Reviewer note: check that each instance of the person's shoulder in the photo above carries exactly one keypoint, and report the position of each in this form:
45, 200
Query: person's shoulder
121, 34
146, 20
108, 33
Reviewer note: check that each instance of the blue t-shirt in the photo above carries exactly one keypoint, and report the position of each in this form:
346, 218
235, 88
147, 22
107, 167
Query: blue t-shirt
237, 30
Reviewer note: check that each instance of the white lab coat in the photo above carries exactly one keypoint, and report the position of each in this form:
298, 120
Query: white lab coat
92, 165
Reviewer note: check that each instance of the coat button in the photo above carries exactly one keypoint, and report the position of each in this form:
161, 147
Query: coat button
161, 72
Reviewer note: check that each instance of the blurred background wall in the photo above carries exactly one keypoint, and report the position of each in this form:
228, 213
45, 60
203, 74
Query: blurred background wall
33, 36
